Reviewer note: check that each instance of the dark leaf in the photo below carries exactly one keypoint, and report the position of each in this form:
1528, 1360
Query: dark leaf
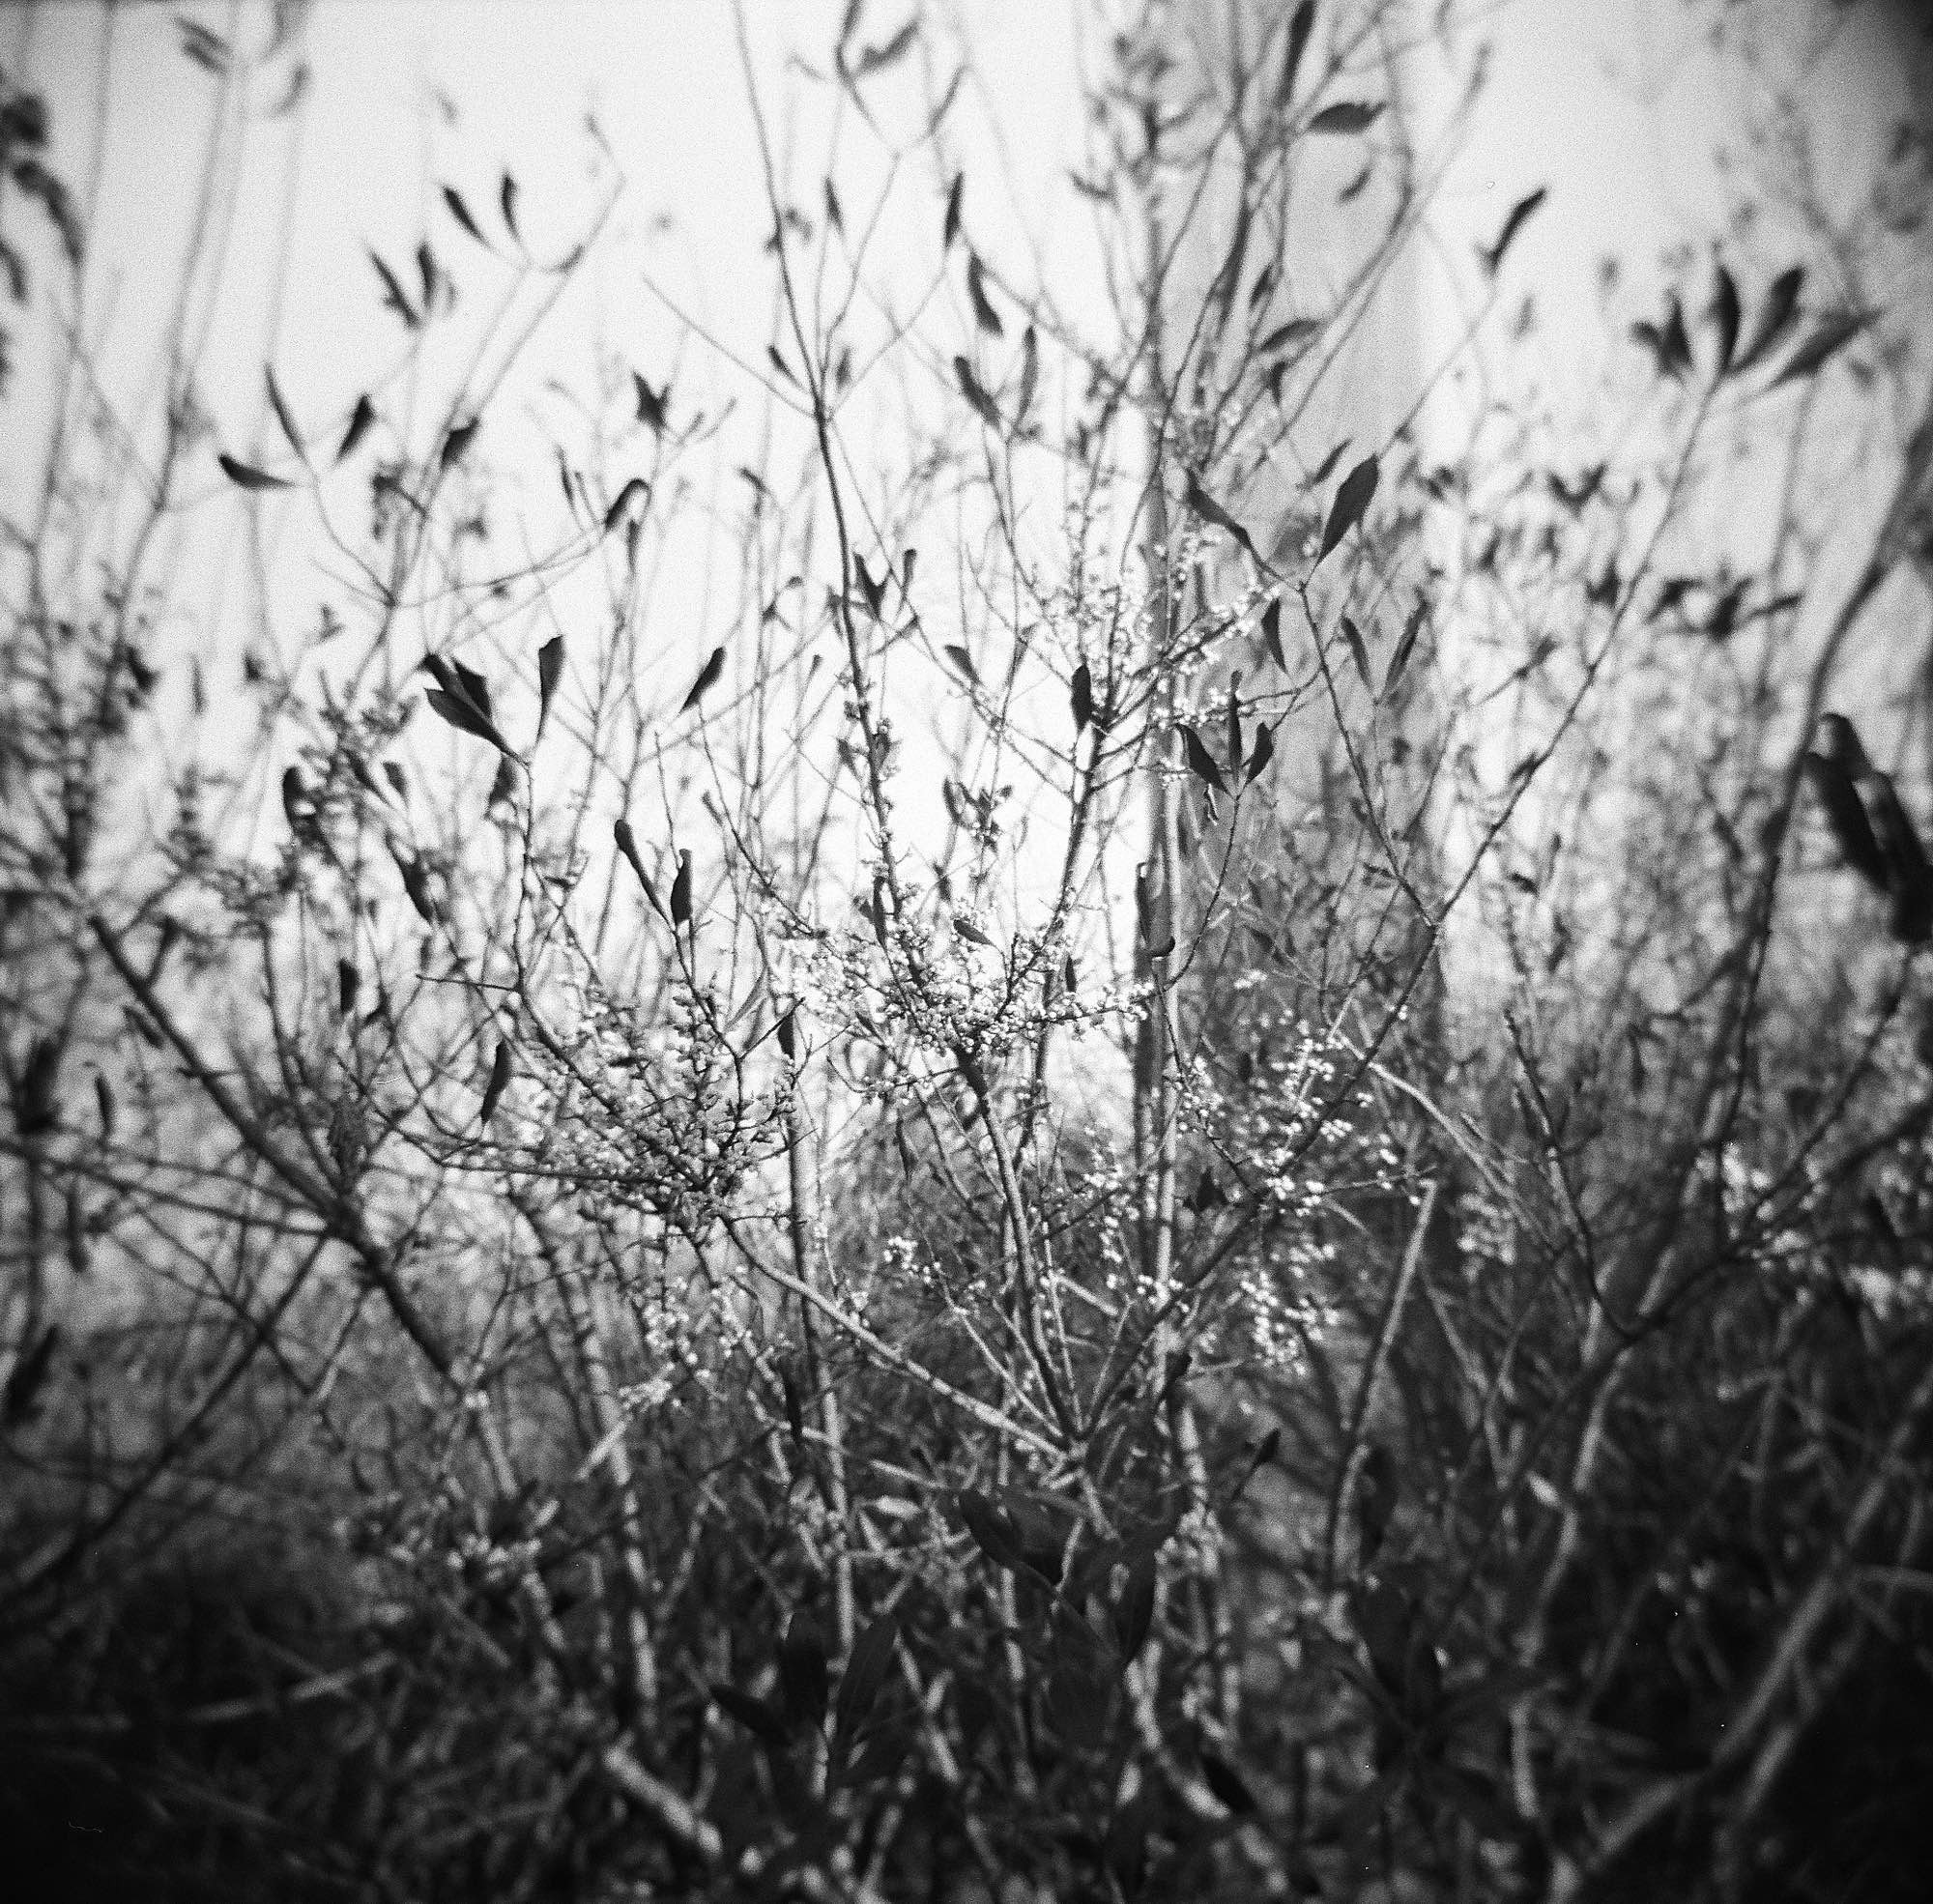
627, 844
993, 1532
637, 490
651, 404
1234, 722
1519, 215
1829, 335
295, 800
1399, 660
104, 1102
550, 671
1207, 1195
1133, 1612
394, 295
1210, 510
37, 1102
834, 216
28, 1377
1298, 329
282, 416
1909, 877
1347, 116
1077, 1700
984, 406
1272, 633
680, 892
876, 59
348, 983
1358, 652
1200, 763
984, 313
1300, 26
962, 660
458, 441
951, 230
802, 1672
779, 363
1226, 1783
756, 1715
1377, 1492
1846, 817
965, 929
502, 784
1724, 315
874, 593
460, 714
1320, 473
493, 1091
866, 1670
1775, 318
883, 1756
1676, 344
1029, 375
360, 419
1083, 697
1264, 751
507, 200
707, 678
1352, 502
460, 212
244, 476
1144, 918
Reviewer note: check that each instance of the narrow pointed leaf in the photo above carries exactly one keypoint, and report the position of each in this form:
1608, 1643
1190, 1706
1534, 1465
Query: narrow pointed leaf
1404, 647
1726, 319
1133, 1612
1300, 26
633, 492
1200, 763
1347, 116
282, 416
754, 1714
866, 1670
1264, 751
394, 295
962, 660
550, 671
707, 678
1029, 375
984, 406
1519, 215
680, 892
360, 419
1829, 336
1846, 817
984, 313
507, 200
1083, 698
246, 476
1358, 652
460, 714
627, 844
1210, 510
992, 1531
1775, 317
460, 212
803, 1680
1272, 633
1352, 501
493, 1091
951, 230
